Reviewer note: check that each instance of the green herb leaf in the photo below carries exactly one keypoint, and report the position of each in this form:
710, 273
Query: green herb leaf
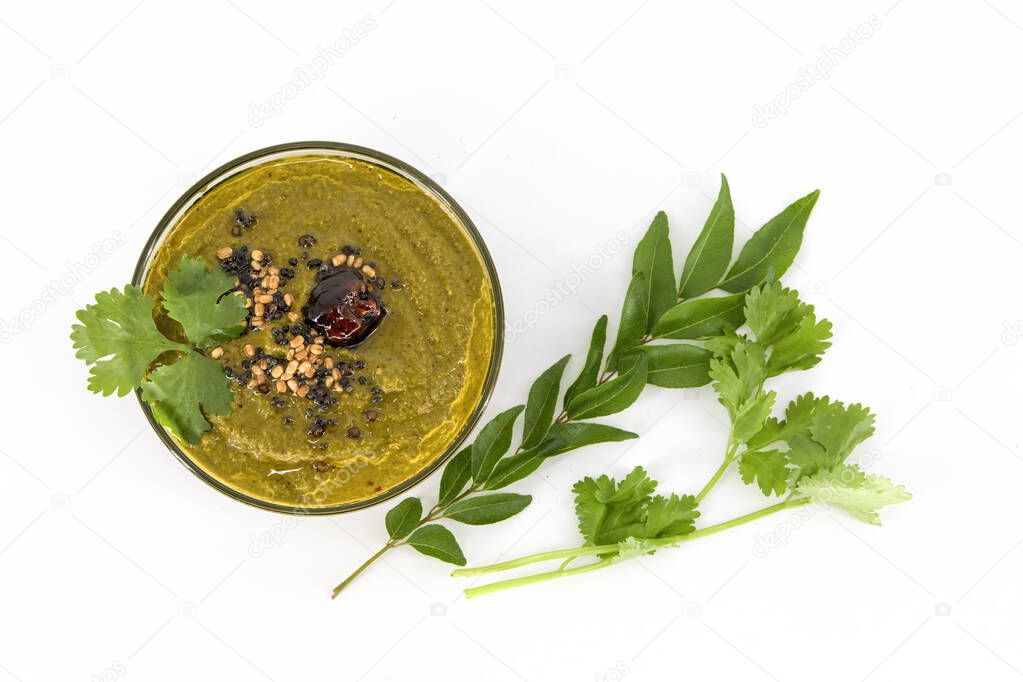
835, 432
120, 328
609, 512
840, 428
632, 327
802, 349
652, 259
571, 435
771, 250
701, 317
542, 402
611, 397
799, 416
739, 378
515, 468
666, 516
591, 368
403, 517
848, 488
768, 468
437, 542
179, 393
773, 311
518, 466
481, 510
807, 456
750, 417
710, 255
195, 297
675, 365
457, 473
493, 441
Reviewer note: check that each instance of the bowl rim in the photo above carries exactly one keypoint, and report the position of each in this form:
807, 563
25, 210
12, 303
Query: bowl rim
390, 163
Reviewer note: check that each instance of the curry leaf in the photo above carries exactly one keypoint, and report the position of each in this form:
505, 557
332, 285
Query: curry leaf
594, 356
515, 468
674, 365
701, 317
632, 327
485, 509
653, 261
457, 473
493, 441
571, 435
403, 517
709, 257
612, 396
437, 542
772, 248
542, 402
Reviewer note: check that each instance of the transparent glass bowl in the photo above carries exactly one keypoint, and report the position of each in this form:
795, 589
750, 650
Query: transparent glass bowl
388, 163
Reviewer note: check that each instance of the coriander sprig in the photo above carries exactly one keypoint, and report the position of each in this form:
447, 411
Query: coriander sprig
119, 339
805, 454
657, 308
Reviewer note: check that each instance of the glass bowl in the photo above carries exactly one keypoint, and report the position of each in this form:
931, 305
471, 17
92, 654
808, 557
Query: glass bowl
389, 164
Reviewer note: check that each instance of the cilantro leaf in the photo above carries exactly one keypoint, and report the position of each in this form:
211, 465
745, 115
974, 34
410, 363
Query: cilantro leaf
667, 516
808, 456
772, 311
848, 488
836, 429
799, 416
194, 296
179, 394
768, 468
786, 325
840, 428
740, 377
119, 338
752, 415
803, 347
610, 512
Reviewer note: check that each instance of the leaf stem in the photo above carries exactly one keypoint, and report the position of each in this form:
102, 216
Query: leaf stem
596, 550
366, 564
729, 458
537, 578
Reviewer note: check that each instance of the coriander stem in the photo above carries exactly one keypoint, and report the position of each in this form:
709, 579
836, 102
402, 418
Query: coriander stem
588, 550
366, 564
537, 578
729, 458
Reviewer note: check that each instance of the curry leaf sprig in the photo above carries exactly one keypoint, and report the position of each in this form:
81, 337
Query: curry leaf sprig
658, 309
119, 339
805, 454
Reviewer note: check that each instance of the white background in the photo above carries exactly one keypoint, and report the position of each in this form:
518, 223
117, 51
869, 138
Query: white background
561, 127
